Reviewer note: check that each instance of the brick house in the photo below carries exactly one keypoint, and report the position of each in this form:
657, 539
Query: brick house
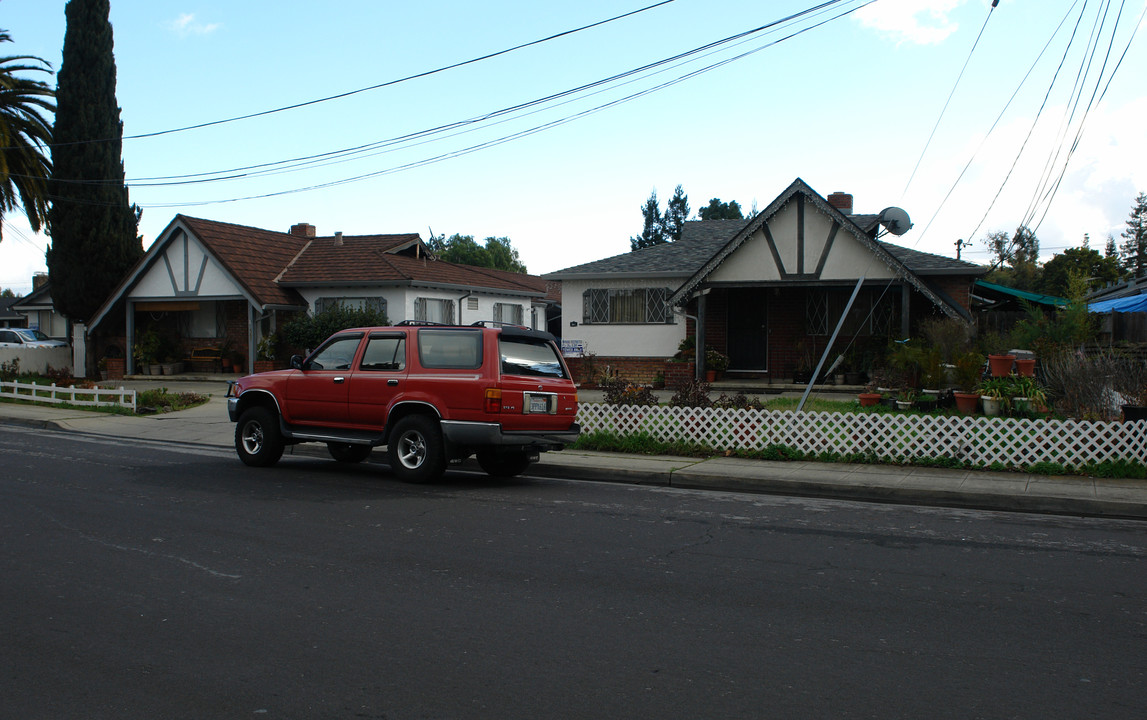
767, 291
211, 285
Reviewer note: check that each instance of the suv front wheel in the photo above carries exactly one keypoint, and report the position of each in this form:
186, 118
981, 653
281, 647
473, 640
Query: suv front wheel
257, 438
415, 450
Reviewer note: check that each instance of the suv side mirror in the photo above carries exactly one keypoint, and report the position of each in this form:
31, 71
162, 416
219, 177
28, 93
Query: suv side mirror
297, 362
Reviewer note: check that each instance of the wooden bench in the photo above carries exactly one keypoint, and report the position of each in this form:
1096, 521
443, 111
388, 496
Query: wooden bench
206, 355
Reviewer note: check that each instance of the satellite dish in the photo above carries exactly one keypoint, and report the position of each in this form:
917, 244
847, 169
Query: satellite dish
895, 220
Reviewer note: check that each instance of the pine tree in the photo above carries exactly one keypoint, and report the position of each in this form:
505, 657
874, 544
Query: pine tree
1133, 252
653, 232
93, 226
676, 213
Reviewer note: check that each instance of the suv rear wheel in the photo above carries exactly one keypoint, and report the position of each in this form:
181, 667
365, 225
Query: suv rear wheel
415, 450
257, 438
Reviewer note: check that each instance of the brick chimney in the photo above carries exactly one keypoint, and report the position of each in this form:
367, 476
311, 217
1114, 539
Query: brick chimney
39, 280
841, 201
303, 230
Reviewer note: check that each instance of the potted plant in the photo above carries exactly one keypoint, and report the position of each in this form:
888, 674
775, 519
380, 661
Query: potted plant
994, 395
715, 363
1001, 365
969, 368
265, 353
146, 352
906, 399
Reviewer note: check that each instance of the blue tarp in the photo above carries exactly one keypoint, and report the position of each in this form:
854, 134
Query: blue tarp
1134, 303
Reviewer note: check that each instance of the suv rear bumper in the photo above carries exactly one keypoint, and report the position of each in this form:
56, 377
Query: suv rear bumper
479, 434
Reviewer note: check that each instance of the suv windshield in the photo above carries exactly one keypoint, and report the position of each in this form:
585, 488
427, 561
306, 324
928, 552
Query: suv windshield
526, 356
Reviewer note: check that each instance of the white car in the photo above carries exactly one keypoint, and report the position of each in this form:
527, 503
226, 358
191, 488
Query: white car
27, 337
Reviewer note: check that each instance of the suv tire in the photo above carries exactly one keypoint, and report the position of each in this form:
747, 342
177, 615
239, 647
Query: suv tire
503, 464
348, 452
257, 438
415, 450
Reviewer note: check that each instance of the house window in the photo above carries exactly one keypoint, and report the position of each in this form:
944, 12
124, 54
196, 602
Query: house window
873, 312
636, 306
434, 310
377, 304
508, 313
816, 312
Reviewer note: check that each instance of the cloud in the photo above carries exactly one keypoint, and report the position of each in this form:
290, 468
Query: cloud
186, 24
923, 22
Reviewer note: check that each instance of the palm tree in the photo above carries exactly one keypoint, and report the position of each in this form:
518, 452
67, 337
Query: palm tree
25, 135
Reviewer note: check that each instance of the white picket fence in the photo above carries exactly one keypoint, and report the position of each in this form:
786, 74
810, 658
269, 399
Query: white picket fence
82, 397
978, 440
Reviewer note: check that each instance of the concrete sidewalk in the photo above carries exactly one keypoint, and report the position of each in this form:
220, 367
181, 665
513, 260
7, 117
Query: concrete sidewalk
208, 425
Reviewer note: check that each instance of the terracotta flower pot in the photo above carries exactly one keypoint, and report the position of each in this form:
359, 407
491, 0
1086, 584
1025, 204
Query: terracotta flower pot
1001, 364
967, 403
1025, 366
868, 399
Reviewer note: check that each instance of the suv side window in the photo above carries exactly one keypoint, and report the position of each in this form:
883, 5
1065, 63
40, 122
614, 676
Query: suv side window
531, 357
384, 352
450, 349
338, 354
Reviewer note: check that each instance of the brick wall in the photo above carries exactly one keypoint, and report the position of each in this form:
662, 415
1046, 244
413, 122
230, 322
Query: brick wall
643, 371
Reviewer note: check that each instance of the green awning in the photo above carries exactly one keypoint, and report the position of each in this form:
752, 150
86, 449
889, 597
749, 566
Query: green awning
993, 291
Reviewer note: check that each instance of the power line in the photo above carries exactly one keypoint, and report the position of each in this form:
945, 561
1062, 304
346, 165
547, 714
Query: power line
815, 10
950, 94
378, 86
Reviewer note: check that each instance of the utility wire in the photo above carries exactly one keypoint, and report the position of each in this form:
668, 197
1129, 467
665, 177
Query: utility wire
345, 153
545, 126
950, 94
379, 86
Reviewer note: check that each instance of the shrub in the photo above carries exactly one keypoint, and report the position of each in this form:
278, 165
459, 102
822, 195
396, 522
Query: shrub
1087, 386
694, 393
309, 331
619, 391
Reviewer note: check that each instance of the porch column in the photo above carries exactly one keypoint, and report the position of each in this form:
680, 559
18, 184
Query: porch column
252, 343
129, 339
905, 302
699, 341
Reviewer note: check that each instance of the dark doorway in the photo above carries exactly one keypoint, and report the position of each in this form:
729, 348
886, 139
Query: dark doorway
748, 329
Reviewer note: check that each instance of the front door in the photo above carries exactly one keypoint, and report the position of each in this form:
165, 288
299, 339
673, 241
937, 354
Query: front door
748, 329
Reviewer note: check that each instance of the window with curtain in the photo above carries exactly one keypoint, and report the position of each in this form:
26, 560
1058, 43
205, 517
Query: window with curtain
434, 310
508, 313
377, 304
634, 306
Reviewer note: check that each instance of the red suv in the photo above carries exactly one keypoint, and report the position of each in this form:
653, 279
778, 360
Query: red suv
430, 393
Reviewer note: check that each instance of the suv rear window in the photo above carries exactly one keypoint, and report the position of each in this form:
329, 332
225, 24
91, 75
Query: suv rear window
527, 356
450, 349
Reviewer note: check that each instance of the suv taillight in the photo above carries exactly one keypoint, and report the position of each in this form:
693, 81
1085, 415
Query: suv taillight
493, 400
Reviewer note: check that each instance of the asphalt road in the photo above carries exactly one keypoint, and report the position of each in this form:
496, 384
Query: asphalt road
145, 580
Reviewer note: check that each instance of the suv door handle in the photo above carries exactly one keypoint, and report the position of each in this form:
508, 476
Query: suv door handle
339, 380
391, 382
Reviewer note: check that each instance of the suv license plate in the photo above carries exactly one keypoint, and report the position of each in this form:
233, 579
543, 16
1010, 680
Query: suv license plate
539, 404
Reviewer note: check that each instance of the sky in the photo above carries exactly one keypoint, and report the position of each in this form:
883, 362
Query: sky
945, 108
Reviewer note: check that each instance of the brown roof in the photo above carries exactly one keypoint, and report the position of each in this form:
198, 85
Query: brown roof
254, 257
370, 259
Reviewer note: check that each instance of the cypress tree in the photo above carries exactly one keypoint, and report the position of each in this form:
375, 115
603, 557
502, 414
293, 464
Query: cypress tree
93, 226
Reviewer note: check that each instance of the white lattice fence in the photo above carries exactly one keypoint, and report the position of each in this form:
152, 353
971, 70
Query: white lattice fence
975, 439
